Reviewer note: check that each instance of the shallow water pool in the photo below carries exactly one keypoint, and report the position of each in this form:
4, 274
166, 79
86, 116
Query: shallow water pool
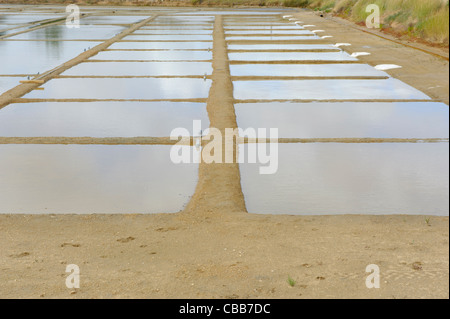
117, 88
190, 31
7, 83
325, 90
46, 55
88, 179
169, 37
267, 32
304, 70
140, 69
290, 56
318, 179
162, 45
348, 119
277, 46
274, 38
153, 55
61, 32
99, 119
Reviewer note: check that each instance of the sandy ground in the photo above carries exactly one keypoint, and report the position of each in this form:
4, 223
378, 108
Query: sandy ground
214, 249
228, 255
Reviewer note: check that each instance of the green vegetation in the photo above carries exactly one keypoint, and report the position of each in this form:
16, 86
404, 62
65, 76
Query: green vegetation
291, 281
295, 3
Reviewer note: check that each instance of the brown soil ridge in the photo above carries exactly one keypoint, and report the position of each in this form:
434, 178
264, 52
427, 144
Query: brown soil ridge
147, 140
219, 184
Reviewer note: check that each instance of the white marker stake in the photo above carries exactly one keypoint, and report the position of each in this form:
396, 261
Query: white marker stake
327, 36
357, 54
384, 67
317, 31
309, 25
337, 45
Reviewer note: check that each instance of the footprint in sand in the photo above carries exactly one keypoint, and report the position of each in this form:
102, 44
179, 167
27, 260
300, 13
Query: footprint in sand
126, 240
24, 254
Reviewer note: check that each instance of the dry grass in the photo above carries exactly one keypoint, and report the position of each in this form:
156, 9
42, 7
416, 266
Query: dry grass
428, 20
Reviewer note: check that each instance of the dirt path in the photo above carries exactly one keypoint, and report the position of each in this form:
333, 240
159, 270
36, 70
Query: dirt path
219, 185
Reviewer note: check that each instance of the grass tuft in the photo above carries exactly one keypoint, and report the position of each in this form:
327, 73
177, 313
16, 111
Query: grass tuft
291, 281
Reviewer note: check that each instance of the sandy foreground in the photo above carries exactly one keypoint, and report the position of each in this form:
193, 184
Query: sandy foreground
214, 249
223, 256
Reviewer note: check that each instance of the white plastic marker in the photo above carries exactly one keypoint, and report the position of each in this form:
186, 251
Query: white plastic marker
384, 67
292, 19
298, 22
309, 25
357, 54
337, 45
288, 16
327, 36
317, 31
197, 144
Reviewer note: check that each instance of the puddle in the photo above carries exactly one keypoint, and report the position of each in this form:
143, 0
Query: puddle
290, 56
268, 32
19, 28
153, 55
61, 32
171, 32
87, 88
140, 69
5, 30
325, 90
169, 37
185, 18
348, 120
275, 46
93, 179
238, 24
187, 24
99, 119
46, 55
112, 19
162, 45
299, 70
263, 27
26, 18
274, 38
253, 19
149, 28
7, 26
7, 83
234, 12
318, 179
